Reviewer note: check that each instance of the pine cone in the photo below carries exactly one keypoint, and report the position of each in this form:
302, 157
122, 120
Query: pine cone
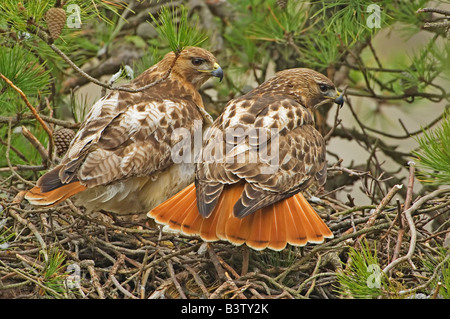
62, 138
408, 86
282, 3
56, 19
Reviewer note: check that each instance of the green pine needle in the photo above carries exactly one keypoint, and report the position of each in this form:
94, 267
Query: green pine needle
443, 278
177, 31
53, 274
363, 278
24, 70
433, 156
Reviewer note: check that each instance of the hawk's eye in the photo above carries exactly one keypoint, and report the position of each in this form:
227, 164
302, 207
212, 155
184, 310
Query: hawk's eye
197, 61
323, 88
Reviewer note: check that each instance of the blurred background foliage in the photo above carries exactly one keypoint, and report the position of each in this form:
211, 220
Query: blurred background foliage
392, 58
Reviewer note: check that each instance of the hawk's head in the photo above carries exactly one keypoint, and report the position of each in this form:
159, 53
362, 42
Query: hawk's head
311, 88
195, 65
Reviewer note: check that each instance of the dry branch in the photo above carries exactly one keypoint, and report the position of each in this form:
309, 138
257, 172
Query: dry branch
412, 228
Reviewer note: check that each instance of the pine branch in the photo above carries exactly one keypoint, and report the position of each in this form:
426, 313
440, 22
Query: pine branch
108, 86
35, 114
178, 37
409, 219
433, 155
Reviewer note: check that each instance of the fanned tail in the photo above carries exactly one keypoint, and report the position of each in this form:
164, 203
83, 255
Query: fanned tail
290, 221
50, 191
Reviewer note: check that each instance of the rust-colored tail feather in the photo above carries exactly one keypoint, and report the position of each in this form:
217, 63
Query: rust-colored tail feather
50, 190
290, 221
53, 197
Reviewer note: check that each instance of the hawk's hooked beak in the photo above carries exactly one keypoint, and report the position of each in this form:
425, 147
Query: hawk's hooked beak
216, 71
337, 98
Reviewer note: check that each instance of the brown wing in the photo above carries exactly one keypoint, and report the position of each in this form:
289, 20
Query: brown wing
272, 168
128, 141
301, 158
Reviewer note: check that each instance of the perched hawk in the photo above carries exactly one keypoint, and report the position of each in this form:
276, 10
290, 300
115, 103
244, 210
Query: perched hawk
247, 186
120, 159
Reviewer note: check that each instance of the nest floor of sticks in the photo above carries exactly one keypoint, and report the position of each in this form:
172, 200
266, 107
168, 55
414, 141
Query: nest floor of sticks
62, 252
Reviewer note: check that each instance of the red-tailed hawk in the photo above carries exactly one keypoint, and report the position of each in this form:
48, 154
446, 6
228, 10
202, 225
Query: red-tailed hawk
120, 159
247, 187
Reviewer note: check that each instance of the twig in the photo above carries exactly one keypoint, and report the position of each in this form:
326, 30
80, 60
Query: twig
316, 269
436, 291
229, 284
219, 291
19, 197
409, 191
14, 286
372, 49
412, 228
35, 281
408, 200
228, 267
216, 263
255, 293
351, 172
144, 280
407, 133
245, 260
444, 24
31, 263
174, 279
77, 213
19, 117
362, 67
143, 274
89, 264
274, 282
435, 10
107, 86
380, 208
328, 244
23, 168
46, 39
336, 122
123, 290
354, 209
432, 278
36, 143
171, 255
198, 280
431, 96
15, 150
11, 169
314, 277
114, 269
159, 292
33, 110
